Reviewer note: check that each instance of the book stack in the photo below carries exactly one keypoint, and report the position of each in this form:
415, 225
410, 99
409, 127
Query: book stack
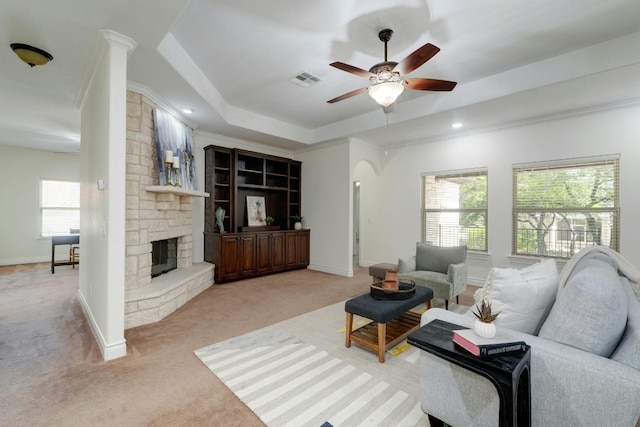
483, 347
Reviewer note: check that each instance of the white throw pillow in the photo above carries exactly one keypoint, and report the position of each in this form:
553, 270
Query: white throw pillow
523, 297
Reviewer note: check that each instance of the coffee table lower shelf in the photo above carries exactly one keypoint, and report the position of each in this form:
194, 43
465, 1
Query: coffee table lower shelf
380, 337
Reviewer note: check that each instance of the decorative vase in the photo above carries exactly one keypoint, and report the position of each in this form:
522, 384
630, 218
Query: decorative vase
297, 225
389, 286
391, 275
484, 330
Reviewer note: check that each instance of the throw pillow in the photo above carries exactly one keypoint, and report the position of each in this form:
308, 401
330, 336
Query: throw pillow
523, 297
438, 258
590, 313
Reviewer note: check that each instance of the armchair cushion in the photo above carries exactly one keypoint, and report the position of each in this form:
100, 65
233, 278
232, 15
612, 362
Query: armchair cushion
406, 265
438, 258
523, 297
591, 311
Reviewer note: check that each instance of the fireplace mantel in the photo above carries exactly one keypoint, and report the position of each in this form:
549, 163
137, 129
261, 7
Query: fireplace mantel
167, 189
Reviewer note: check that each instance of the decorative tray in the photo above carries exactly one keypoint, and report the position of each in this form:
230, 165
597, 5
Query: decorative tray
405, 290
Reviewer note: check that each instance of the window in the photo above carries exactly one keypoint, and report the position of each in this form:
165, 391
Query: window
454, 209
561, 208
59, 206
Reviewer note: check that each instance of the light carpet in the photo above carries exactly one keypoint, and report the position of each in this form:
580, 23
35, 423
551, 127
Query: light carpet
299, 373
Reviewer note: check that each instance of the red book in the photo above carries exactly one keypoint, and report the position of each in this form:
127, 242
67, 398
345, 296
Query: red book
483, 347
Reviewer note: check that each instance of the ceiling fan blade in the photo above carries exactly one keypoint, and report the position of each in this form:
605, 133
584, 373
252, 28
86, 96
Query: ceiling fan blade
348, 95
416, 59
430, 84
351, 69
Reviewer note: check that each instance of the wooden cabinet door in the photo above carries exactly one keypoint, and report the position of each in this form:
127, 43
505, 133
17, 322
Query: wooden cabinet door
303, 248
291, 249
278, 251
247, 254
227, 267
263, 252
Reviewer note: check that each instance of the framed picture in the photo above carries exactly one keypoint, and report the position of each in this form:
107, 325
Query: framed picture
256, 210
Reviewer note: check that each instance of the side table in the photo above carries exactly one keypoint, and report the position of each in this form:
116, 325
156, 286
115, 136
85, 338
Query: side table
509, 373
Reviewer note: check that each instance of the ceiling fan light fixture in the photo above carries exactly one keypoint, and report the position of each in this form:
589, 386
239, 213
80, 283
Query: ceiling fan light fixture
386, 93
31, 55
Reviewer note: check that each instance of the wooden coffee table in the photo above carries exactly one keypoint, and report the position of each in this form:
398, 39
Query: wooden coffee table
392, 320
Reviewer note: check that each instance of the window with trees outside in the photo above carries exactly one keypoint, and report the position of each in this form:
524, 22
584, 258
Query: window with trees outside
59, 207
454, 209
561, 208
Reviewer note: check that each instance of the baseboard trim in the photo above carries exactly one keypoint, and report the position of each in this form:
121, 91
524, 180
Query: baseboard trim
330, 270
108, 351
31, 260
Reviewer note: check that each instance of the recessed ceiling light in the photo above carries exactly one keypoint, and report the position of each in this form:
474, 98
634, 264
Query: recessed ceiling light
457, 125
187, 111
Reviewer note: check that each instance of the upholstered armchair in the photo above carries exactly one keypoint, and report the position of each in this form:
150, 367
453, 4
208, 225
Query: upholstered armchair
442, 269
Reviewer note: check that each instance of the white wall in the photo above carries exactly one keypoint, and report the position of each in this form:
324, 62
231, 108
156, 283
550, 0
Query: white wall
327, 207
102, 217
614, 131
20, 241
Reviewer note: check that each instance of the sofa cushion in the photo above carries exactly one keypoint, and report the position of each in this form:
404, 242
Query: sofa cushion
523, 297
438, 258
628, 350
590, 313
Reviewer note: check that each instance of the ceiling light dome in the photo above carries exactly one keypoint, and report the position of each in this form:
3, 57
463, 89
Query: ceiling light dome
31, 55
386, 93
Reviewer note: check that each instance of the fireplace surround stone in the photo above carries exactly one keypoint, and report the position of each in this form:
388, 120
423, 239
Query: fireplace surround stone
153, 215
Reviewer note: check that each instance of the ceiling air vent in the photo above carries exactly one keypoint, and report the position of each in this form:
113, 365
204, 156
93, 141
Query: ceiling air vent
305, 79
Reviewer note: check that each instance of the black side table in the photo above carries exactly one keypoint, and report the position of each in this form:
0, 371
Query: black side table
509, 373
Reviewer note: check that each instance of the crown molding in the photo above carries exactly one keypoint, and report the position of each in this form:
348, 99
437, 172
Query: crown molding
153, 97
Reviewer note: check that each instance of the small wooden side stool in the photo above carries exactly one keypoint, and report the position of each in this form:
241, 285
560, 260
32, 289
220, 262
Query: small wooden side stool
392, 320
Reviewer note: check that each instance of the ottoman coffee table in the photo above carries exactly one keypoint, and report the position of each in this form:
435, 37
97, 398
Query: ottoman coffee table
392, 320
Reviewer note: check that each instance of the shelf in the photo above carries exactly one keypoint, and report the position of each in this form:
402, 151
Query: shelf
168, 189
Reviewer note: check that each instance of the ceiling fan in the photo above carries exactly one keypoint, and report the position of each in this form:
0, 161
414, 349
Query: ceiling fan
387, 78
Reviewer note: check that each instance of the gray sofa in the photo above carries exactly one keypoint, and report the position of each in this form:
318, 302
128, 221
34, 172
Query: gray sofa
585, 359
440, 268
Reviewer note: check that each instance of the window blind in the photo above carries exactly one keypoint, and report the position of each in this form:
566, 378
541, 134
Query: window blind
558, 209
59, 206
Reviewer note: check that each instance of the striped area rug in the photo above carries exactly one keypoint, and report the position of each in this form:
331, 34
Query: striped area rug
289, 382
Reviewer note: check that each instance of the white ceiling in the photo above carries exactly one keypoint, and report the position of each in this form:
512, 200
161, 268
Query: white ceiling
231, 62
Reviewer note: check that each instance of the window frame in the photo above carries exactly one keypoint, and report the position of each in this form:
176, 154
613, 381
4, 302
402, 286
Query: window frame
581, 232
43, 208
424, 211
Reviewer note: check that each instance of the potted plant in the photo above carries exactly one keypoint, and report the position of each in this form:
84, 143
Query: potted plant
484, 326
268, 220
297, 219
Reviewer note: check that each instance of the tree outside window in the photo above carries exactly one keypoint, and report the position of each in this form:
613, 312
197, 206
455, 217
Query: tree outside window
455, 209
560, 209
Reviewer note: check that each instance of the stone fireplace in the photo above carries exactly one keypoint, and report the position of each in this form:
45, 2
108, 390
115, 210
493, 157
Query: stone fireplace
153, 214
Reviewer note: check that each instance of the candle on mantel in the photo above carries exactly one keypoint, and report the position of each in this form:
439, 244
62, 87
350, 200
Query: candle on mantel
176, 162
168, 156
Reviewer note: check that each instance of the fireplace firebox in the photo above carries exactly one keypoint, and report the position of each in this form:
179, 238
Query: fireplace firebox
164, 256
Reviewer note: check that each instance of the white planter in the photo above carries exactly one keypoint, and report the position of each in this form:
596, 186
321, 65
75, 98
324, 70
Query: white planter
484, 330
297, 226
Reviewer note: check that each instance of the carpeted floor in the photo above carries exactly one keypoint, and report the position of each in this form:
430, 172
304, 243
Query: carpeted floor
52, 372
